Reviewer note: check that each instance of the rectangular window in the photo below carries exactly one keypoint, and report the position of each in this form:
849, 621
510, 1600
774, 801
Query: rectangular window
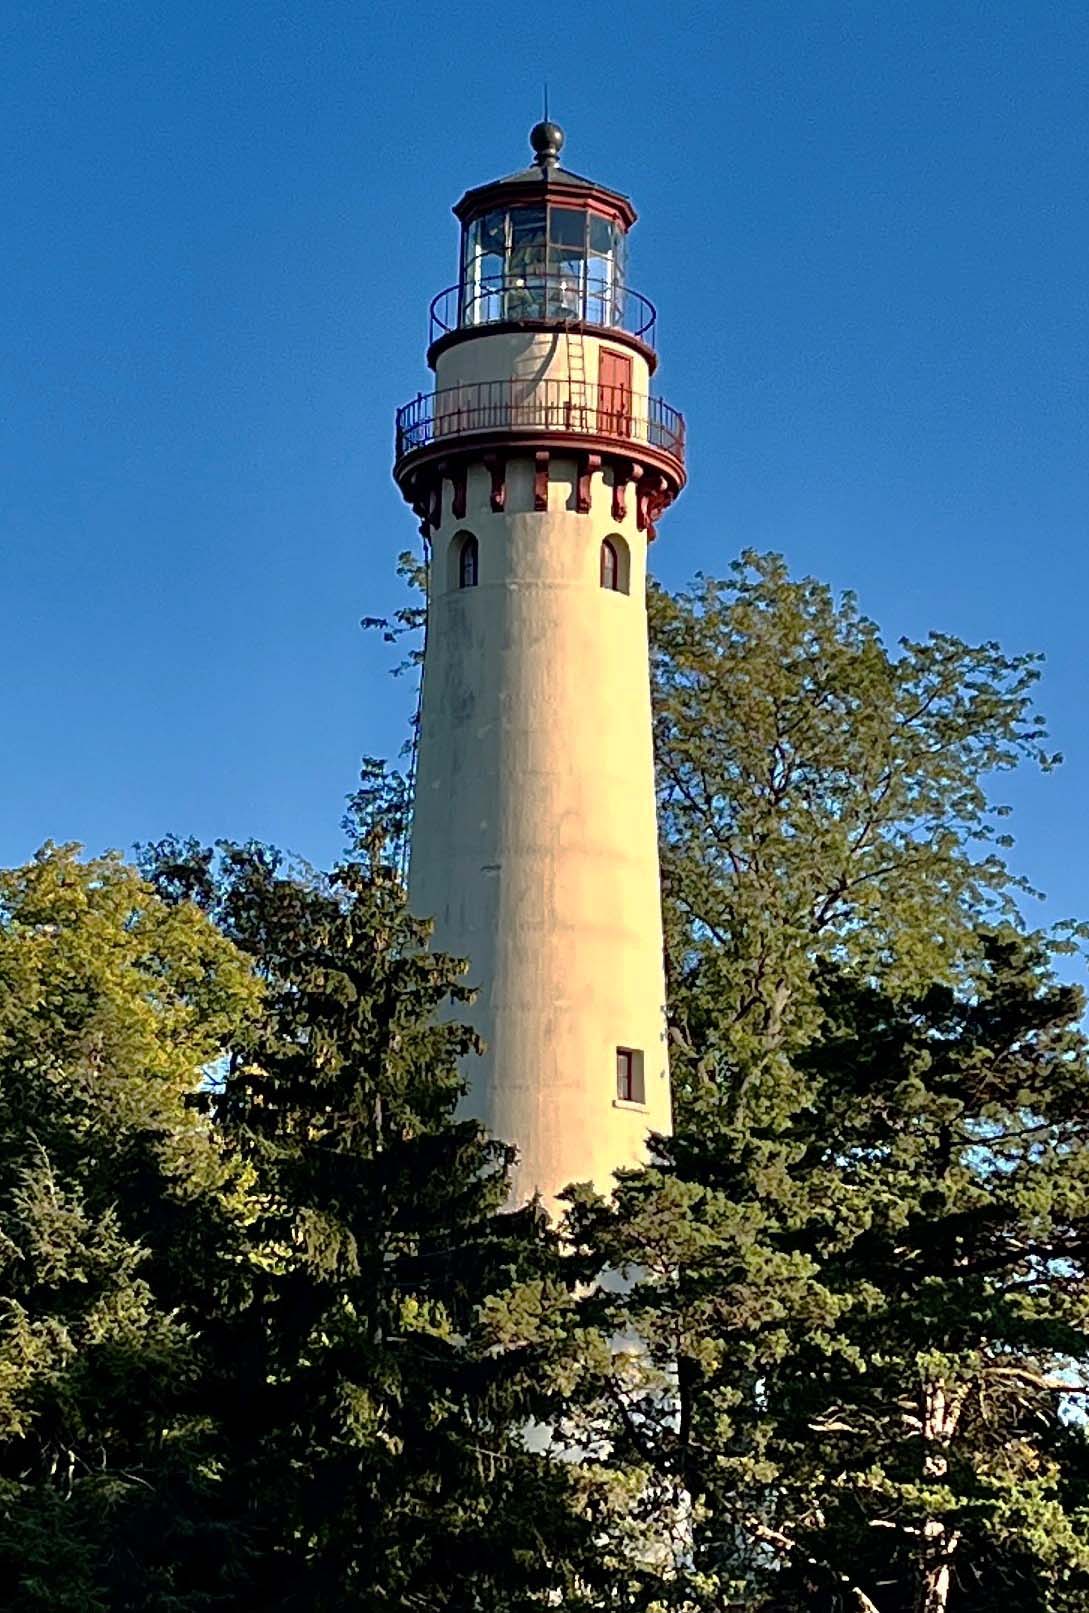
567, 227
630, 1085
603, 234
527, 241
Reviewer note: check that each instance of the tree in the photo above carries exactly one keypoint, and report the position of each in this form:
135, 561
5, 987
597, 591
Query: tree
863, 1380
246, 1246
120, 1226
955, 1128
823, 1407
273, 1339
379, 1450
819, 798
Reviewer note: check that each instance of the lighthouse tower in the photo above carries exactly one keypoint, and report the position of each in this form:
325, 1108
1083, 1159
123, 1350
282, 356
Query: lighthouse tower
539, 467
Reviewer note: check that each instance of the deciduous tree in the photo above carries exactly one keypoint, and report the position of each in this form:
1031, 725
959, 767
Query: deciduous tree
820, 797
121, 1230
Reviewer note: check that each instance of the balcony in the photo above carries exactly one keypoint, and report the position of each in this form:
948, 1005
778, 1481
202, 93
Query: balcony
561, 413
543, 299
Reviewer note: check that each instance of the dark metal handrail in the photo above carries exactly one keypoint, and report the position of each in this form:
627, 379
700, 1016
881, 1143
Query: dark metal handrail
546, 298
565, 406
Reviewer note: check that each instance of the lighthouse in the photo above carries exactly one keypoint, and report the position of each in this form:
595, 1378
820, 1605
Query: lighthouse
539, 466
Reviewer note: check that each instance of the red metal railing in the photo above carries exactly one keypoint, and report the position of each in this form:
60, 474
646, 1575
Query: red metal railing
566, 406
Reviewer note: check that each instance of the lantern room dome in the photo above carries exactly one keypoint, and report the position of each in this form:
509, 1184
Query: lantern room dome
545, 175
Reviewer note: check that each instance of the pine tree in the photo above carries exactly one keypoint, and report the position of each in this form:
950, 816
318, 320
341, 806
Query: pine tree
246, 1248
379, 1440
867, 1369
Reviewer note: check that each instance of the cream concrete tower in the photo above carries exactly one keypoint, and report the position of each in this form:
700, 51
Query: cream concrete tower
538, 467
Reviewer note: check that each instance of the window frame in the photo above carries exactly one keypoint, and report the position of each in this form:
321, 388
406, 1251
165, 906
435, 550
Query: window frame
631, 1084
617, 546
468, 561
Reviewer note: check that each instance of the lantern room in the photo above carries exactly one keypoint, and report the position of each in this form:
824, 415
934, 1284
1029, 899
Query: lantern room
543, 246
542, 261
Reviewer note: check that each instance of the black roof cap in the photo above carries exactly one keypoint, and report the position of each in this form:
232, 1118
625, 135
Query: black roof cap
546, 177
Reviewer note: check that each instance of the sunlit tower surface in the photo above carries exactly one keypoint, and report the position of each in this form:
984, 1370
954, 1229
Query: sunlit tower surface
539, 467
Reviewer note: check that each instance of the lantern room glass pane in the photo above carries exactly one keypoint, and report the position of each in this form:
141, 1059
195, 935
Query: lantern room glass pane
493, 232
567, 227
527, 240
566, 262
542, 262
526, 264
482, 272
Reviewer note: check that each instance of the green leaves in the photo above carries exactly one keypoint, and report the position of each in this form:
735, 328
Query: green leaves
821, 798
246, 1245
376, 1419
120, 1230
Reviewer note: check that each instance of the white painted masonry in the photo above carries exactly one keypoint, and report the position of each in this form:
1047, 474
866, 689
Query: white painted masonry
534, 840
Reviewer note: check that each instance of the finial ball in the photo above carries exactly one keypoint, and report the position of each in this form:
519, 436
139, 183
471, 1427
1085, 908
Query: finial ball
547, 141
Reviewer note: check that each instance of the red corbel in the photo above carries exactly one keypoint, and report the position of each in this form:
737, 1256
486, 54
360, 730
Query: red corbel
459, 480
588, 464
540, 480
658, 498
417, 496
622, 475
497, 466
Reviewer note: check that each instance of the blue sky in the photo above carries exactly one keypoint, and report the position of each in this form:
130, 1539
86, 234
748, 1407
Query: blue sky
866, 229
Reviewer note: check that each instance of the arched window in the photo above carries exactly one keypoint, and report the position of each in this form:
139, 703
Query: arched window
467, 551
615, 565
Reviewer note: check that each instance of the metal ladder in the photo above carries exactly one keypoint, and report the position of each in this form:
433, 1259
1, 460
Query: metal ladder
577, 404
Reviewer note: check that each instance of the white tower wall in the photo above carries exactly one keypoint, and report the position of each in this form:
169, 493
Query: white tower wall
534, 840
535, 355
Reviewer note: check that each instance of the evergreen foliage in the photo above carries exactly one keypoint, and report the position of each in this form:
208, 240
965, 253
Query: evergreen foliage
245, 1244
378, 1450
863, 1334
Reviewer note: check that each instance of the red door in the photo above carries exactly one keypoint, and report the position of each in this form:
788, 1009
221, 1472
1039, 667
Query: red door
614, 393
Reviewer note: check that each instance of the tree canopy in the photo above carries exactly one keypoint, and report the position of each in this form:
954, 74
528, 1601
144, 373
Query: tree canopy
271, 1336
121, 1224
821, 797
378, 1450
246, 1244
